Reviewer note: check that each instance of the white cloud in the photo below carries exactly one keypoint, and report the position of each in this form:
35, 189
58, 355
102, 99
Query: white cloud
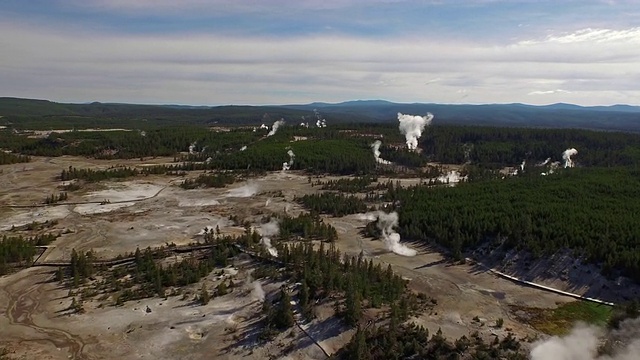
588, 35
547, 92
217, 69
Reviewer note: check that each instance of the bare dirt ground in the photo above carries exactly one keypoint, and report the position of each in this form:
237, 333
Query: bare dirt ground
152, 211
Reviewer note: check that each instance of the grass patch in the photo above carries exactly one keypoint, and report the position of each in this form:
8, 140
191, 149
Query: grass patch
560, 320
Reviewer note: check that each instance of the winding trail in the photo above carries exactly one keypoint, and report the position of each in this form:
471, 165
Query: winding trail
23, 304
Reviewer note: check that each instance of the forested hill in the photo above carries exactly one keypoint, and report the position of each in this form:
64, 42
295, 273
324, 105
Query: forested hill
45, 115
617, 117
32, 114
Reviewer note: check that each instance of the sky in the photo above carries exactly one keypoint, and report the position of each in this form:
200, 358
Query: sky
215, 52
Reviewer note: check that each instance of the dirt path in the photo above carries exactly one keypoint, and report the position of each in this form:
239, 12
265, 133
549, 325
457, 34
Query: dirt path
23, 304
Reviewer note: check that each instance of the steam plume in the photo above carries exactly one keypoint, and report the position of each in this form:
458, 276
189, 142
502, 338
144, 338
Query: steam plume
291, 157
275, 127
544, 162
287, 165
467, 151
320, 122
376, 153
566, 156
524, 162
257, 291
243, 148
583, 342
266, 231
411, 126
243, 191
386, 224
263, 126
451, 177
192, 148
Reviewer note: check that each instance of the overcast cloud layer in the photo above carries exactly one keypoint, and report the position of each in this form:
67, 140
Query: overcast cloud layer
247, 52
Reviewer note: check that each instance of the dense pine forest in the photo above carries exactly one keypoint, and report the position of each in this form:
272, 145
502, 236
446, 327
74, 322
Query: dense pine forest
333, 203
590, 211
20, 251
9, 158
339, 149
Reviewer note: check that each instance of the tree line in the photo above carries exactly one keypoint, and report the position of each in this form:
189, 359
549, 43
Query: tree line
119, 172
305, 226
335, 204
9, 158
215, 180
340, 149
352, 185
410, 341
20, 251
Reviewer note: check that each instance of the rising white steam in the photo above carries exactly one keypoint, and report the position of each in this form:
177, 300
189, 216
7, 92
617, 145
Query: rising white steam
257, 292
524, 162
386, 224
566, 156
376, 153
275, 127
243, 191
320, 122
452, 177
287, 165
583, 343
268, 230
467, 151
544, 162
552, 168
411, 126
243, 148
192, 148
370, 216
263, 126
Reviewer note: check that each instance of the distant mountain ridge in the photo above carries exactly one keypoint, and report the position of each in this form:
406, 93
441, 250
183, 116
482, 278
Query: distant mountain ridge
556, 106
615, 117
560, 115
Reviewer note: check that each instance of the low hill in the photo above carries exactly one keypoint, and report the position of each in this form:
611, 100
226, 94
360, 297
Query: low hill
28, 113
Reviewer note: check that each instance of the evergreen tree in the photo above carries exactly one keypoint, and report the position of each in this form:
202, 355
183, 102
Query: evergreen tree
353, 305
284, 312
204, 294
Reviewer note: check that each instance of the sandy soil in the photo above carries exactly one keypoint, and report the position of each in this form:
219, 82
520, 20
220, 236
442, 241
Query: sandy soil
152, 211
